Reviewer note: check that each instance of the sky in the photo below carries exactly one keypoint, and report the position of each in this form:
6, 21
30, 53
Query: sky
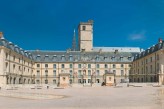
49, 24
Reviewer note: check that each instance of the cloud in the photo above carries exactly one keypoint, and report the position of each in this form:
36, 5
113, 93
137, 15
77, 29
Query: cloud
137, 36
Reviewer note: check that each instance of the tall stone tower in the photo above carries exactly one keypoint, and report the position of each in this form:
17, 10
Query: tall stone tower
85, 30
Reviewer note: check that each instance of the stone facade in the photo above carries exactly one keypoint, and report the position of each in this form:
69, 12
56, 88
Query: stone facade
148, 65
86, 66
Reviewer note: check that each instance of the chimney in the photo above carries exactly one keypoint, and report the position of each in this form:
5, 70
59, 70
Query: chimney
1, 35
160, 40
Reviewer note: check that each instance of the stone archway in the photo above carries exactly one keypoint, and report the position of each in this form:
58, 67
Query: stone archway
28, 81
19, 80
14, 80
24, 81
10, 80
7, 80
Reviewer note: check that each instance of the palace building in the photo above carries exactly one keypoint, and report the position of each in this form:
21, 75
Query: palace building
82, 65
147, 65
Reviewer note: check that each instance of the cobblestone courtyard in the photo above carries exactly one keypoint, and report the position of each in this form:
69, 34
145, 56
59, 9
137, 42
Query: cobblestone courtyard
86, 97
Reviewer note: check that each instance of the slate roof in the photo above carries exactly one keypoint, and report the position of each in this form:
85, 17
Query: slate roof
149, 51
70, 56
15, 48
77, 56
120, 49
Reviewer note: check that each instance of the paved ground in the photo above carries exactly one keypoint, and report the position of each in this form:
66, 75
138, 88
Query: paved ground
86, 97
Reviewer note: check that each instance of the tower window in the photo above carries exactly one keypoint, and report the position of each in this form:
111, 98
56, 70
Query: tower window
84, 27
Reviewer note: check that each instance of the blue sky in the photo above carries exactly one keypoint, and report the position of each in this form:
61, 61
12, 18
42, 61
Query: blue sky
49, 24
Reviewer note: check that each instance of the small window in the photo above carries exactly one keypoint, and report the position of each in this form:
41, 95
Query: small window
79, 72
62, 65
114, 66
97, 72
54, 81
114, 71
122, 65
84, 27
79, 65
122, 72
54, 73
38, 65
46, 81
89, 72
89, 65
129, 58
106, 66
70, 66
54, 66
70, 58
98, 66
63, 58
70, 72
130, 65
46, 72
46, 65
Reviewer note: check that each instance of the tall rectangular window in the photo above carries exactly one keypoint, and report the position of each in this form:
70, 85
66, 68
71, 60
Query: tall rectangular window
70, 72
89, 72
114, 71
114, 66
79, 72
38, 73
46, 72
122, 72
62, 66
70, 66
97, 72
97, 66
46, 65
89, 65
54, 66
122, 65
38, 65
54, 73
70, 58
79, 65
106, 66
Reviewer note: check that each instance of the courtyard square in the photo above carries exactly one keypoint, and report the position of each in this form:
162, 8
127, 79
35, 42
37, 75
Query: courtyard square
85, 97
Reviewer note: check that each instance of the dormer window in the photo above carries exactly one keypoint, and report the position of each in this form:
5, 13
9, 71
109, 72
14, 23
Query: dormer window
105, 58
113, 58
46, 57
54, 57
97, 58
63, 58
70, 58
38, 57
121, 58
129, 58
